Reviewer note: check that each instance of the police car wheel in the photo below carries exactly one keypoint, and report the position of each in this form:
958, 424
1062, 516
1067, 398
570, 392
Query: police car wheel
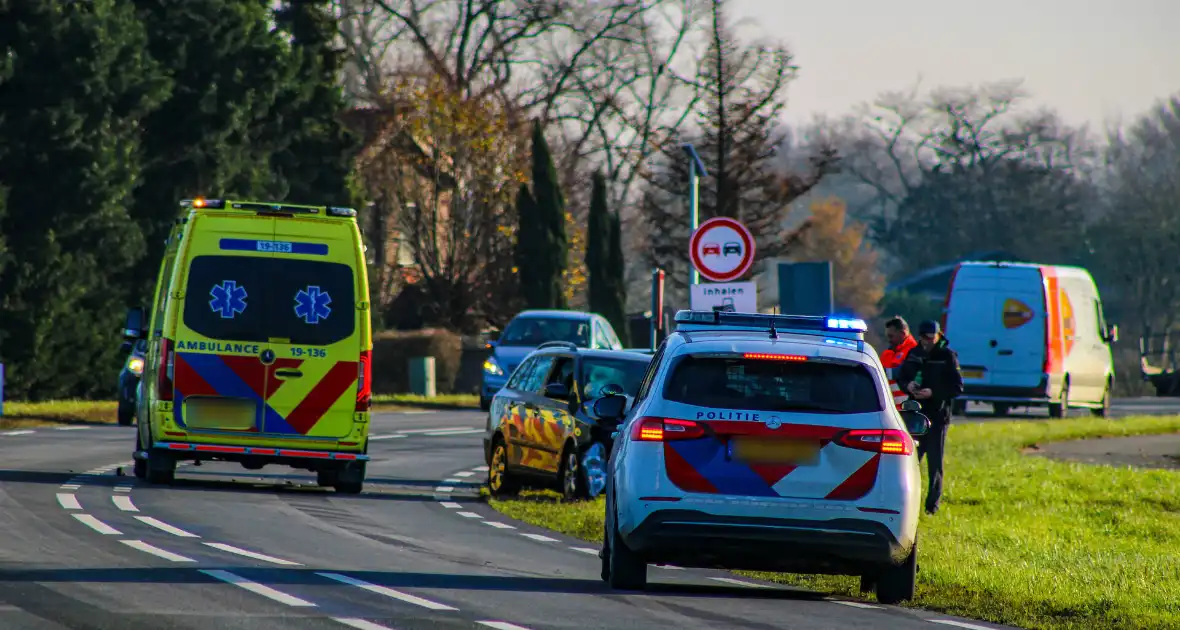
500, 482
628, 571
897, 583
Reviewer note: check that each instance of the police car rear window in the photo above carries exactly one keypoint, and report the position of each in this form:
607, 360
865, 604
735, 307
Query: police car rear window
773, 385
250, 298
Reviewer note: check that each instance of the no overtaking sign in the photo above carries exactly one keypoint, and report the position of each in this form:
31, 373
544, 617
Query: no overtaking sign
722, 249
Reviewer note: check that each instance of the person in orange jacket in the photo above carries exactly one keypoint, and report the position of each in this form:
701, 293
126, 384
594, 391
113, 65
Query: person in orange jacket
897, 332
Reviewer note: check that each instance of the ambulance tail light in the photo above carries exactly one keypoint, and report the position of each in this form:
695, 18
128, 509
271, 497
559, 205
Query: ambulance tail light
364, 378
166, 376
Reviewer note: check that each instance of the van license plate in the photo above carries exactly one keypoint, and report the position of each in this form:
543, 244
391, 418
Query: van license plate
764, 451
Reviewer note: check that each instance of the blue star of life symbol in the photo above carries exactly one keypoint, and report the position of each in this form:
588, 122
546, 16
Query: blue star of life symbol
311, 305
228, 299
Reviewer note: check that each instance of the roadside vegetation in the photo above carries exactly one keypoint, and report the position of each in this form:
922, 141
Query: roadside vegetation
1021, 539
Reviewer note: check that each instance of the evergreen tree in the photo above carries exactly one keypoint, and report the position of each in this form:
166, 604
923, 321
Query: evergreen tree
80, 84
542, 246
215, 134
604, 258
316, 159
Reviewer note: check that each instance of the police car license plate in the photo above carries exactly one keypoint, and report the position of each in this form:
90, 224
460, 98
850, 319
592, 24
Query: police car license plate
764, 451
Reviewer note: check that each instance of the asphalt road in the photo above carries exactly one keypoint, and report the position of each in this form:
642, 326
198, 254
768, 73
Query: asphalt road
85, 547
1119, 408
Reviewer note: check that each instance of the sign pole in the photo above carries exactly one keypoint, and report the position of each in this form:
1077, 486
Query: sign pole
696, 170
657, 306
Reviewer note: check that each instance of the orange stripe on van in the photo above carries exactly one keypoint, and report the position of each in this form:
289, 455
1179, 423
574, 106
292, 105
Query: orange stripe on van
1054, 361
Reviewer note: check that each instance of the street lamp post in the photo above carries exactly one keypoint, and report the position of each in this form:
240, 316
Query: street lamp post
696, 170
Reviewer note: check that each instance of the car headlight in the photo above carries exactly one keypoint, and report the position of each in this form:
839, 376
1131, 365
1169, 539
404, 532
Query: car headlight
491, 367
135, 366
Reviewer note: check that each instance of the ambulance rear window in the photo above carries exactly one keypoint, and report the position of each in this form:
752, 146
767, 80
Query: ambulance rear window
251, 298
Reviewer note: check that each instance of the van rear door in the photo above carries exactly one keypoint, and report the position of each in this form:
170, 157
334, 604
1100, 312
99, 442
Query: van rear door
996, 322
314, 328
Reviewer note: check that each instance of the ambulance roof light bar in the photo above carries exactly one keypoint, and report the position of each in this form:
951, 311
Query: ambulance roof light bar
842, 327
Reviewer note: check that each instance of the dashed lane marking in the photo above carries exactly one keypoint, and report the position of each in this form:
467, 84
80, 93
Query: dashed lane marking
72, 428
450, 505
122, 488
386, 591
156, 551
499, 525
465, 473
844, 602
480, 469
255, 587
385, 437
538, 537
162, 526
444, 489
501, 625
360, 624
68, 501
124, 503
469, 514
450, 433
252, 554
738, 582
22, 432
97, 525
959, 624
452, 481
586, 550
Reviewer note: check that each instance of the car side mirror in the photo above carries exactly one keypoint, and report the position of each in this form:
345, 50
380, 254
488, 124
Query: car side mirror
557, 391
911, 405
135, 323
610, 408
916, 423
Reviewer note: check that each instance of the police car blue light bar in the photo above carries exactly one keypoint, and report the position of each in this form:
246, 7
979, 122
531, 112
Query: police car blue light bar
718, 320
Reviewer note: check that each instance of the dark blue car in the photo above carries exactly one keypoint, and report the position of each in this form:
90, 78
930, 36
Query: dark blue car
129, 381
530, 329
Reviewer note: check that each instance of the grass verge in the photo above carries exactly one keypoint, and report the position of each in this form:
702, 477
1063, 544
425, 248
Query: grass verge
23, 414
1021, 540
396, 402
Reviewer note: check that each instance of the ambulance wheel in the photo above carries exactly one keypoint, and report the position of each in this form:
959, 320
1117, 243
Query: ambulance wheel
351, 478
139, 468
161, 468
327, 478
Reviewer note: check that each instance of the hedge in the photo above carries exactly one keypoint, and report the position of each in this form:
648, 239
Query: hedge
393, 350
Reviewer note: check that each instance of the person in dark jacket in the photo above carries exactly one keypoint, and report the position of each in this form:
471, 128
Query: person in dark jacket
931, 375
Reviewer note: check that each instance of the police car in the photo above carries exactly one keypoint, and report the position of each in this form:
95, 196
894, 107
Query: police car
767, 443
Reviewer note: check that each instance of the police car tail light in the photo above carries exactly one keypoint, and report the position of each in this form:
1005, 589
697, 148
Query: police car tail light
887, 441
762, 356
666, 430
165, 376
364, 391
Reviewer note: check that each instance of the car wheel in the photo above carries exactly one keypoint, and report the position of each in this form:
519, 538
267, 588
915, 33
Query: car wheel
1104, 410
570, 476
897, 584
351, 478
500, 482
627, 570
126, 414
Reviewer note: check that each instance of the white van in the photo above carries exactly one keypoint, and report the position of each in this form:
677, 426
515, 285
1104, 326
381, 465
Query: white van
1030, 335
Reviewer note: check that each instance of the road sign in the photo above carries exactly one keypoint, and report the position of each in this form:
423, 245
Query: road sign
743, 296
721, 249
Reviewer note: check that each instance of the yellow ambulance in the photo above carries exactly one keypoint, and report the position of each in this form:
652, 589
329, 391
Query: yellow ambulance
259, 343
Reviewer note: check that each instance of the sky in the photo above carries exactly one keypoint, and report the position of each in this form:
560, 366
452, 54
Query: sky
1094, 61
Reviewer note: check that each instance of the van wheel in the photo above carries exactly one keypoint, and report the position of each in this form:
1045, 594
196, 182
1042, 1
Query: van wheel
1060, 408
570, 475
351, 478
1104, 410
1000, 410
139, 468
161, 468
327, 478
897, 584
500, 482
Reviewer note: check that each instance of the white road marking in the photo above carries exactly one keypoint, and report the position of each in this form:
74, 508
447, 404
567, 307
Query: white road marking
498, 525
70, 486
452, 481
156, 551
124, 503
444, 489
585, 550
450, 505
417, 413
480, 469
122, 488
416, 431
69, 501
469, 515
843, 602
97, 525
72, 428
252, 554
360, 624
465, 473
386, 591
23, 432
449, 433
538, 537
385, 437
670, 567
958, 624
738, 582
501, 625
255, 587
161, 525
